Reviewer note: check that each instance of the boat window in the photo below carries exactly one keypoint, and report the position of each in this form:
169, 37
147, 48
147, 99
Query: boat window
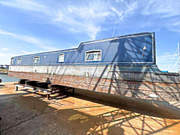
61, 58
19, 60
36, 60
94, 55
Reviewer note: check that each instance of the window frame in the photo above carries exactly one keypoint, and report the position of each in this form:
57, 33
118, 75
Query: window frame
19, 61
93, 51
37, 61
61, 54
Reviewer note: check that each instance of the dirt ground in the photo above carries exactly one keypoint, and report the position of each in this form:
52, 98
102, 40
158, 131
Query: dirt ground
26, 113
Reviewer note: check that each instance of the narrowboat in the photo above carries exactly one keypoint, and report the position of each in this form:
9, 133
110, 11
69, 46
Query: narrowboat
124, 66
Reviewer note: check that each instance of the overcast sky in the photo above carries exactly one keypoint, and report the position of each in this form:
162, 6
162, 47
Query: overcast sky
30, 26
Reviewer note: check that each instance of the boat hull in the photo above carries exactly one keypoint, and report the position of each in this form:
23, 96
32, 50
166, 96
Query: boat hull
160, 90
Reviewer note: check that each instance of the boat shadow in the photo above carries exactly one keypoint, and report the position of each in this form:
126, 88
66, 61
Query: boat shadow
76, 119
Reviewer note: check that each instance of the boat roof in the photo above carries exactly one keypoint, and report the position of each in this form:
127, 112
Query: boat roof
93, 41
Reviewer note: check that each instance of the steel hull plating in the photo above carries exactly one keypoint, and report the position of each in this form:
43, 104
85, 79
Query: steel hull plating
149, 86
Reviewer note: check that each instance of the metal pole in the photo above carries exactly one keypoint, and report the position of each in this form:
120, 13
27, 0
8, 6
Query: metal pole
0, 125
178, 56
178, 49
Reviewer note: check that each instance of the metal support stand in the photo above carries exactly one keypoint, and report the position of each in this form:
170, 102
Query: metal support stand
17, 88
48, 96
73, 91
34, 89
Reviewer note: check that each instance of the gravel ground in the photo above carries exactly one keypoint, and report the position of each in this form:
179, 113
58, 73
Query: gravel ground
24, 113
